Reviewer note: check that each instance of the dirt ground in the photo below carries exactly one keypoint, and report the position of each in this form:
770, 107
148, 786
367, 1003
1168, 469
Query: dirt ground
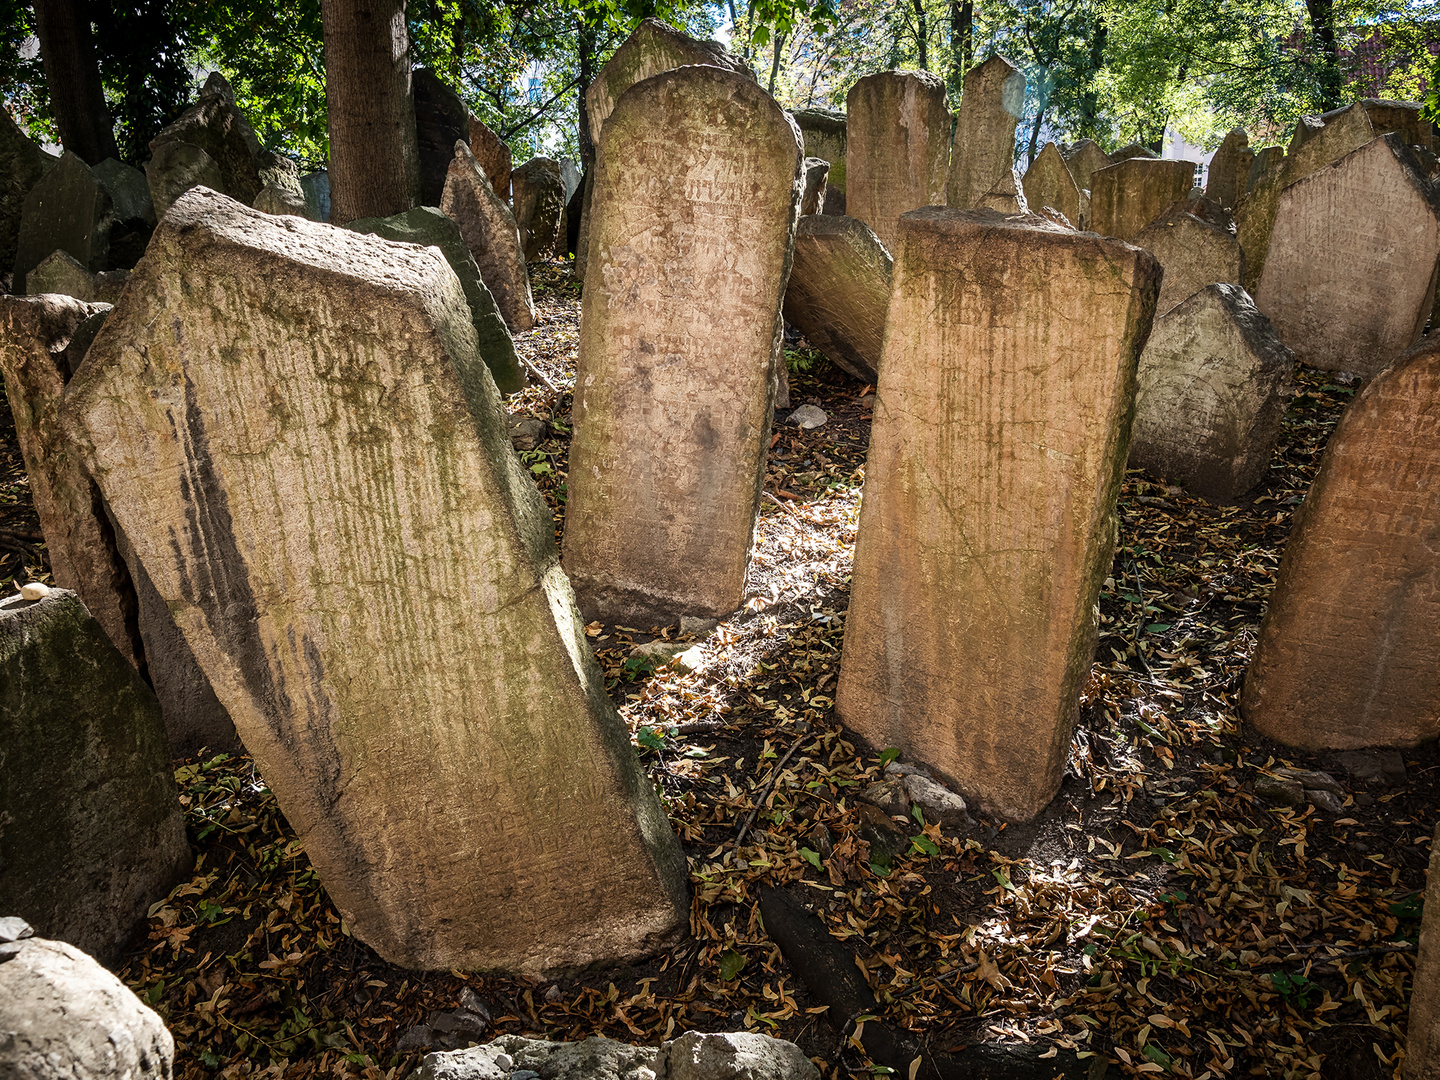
1159, 916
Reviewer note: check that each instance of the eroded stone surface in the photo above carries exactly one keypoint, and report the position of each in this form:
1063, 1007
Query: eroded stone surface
839, 291
812, 201
493, 155
679, 337
1229, 174
1210, 394
1084, 159
367, 575
492, 236
1194, 253
1422, 1048
1129, 195
539, 199
441, 120
68, 210
1349, 649
988, 524
898, 148
983, 155
824, 133
22, 164
174, 168
1048, 183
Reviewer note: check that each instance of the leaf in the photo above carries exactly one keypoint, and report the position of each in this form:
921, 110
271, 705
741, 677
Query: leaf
650, 738
812, 857
889, 754
1158, 627
731, 963
924, 845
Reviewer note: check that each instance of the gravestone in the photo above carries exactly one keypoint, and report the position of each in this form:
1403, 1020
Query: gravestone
897, 148
1049, 183
1349, 277
132, 209
988, 525
368, 576
1083, 160
1266, 158
93, 830
1349, 649
428, 227
983, 155
1229, 175
176, 167
61, 273
570, 176
680, 335
1406, 117
492, 236
68, 210
1193, 252
316, 186
834, 201
492, 153
539, 204
1133, 150
839, 291
1422, 1048
1129, 195
824, 133
813, 199
22, 164
1210, 395
273, 200
441, 119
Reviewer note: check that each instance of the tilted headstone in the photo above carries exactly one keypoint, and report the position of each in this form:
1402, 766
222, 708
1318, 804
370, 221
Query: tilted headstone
570, 176
1266, 158
1229, 174
68, 210
316, 186
988, 525
680, 335
441, 119
1210, 395
1048, 183
813, 199
93, 830
983, 155
1349, 649
61, 273
897, 148
493, 155
1406, 117
492, 236
1194, 253
1133, 150
824, 133
539, 198
1349, 276
428, 227
1422, 1047
1084, 159
1129, 195
132, 209
369, 578
839, 292
22, 164
176, 167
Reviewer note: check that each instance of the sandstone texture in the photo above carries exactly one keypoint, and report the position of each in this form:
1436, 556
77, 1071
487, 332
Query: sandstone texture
174, 168
274, 200
823, 131
441, 120
1133, 150
539, 200
999, 442
1084, 160
1266, 158
1422, 1049
22, 164
1229, 174
680, 332
367, 575
68, 210
983, 156
316, 186
492, 154
1193, 252
1048, 183
898, 148
132, 210
1210, 395
1349, 650
61, 273
839, 292
93, 831
492, 236
1350, 271
1129, 195
812, 201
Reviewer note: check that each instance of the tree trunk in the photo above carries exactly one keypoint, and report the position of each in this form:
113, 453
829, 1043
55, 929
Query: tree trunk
67, 49
1322, 22
374, 158
962, 41
1035, 134
922, 35
585, 48
1089, 126
775, 62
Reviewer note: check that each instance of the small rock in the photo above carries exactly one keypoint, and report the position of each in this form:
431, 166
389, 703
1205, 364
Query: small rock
867, 401
900, 768
819, 840
526, 432
1364, 798
808, 417
1276, 790
524, 1074
418, 1037
739, 1055
692, 659
888, 795
505, 1061
697, 626
553, 994
461, 1022
885, 839
14, 928
1374, 766
659, 650
938, 803
1327, 802
1310, 779
471, 1002
34, 590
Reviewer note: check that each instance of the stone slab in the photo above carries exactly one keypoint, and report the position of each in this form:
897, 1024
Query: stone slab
539, 201
983, 154
492, 153
492, 236
68, 210
1193, 252
1129, 195
316, 186
129, 192
1048, 182
441, 120
22, 164
839, 292
813, 199
1084, 159
1229, 173
176, 167
823, 131
1422, 1047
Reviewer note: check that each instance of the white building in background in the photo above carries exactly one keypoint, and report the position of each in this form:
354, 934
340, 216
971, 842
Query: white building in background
1175, 148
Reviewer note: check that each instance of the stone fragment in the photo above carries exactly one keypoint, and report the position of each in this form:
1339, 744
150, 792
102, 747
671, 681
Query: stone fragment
1373, 766
22, 164
66, 1016
441, 120
1193, 252
1210, 395
888, 795
983, 155
316, 186
492, 236
274, 200
570, 176
1422, 1048
492, 153
937, 802
1129, 195
1048, 183
988, 524
1350, 272
68, 210
1327, 802
539, 202
1278, 790
808, 417
368, 576
733, 1055
680, 336
1349, 650
428, 227
813, 200
898, 129
60, 273
1084, 159
93, 830
823, 131
1313, 780
526, 432
839, 291
176, 167
1132, 150
1229, 174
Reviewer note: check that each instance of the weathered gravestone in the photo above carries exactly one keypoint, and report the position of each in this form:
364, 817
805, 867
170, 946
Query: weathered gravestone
316, 186
1129, 195
988, 524
492, 154
823, 131
93, 830
1210, 394
1266, 158
22, 164
176, 167
132, 210
273, 200
1350, 270
539, 205
441, 119
982, 159
362, 567
1229, 174
1084, 159
839, 292
492, 236
60, 273
1048, 183
697, 193
1133, 150
1422, 1048
1194, 253
428, 227
897, 149
68, 210
1349, 649
1406, 117
812, 201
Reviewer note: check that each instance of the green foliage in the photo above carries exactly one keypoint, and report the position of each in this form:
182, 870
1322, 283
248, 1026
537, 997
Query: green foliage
731, 964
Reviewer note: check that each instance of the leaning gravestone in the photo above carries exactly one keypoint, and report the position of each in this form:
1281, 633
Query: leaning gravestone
988, 525
1193, 252
369, 578
1229, 174
62, 274
68, 210
824, 133
492, 236
441, 119
492, 153
22, 164
1422, 1048
1084, 160
983, 156
813, 199
539, 205
1129, 195
1349, 275
898, 148
839, 291
1048, 183
680, 335
93, 830
1349, 650
174, 168
1210, 395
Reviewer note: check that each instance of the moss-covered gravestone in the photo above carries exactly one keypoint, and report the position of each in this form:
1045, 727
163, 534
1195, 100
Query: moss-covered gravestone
988, 526
93, 831
1129, 195
823, 132
312, 463
68, 210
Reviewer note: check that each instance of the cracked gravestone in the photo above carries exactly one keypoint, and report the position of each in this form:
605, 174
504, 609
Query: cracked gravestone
492, 236
1129, 195
839, 291
983, 156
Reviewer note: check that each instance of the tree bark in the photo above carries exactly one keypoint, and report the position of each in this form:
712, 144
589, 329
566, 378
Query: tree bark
922, 34
585, 53
1322, 22
67, 50
374, 157
1089, 126
775, 61
962, 41
1035, 134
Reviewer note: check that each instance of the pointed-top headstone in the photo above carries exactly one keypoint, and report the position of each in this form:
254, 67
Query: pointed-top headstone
68, 210
1229, 173
1048, 183
492, 236
983, 154
1084, 159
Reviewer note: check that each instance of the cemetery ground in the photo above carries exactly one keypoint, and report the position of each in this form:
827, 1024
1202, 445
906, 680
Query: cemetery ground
1165, 913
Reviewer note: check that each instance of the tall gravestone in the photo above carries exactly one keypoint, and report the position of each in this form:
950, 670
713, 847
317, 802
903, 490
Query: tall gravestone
1422, 1047
1194, 253
1229, 173
1351, 266
897, 148
492, 154
1349, 649
539, 199
812, 201
988, 525
336, 518
1084, 159
132, 208
1048, 183
441, 120
69, 210
1129, 195
982, 159
680, 334
22, 164
824, 133
839, 292
492, 236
